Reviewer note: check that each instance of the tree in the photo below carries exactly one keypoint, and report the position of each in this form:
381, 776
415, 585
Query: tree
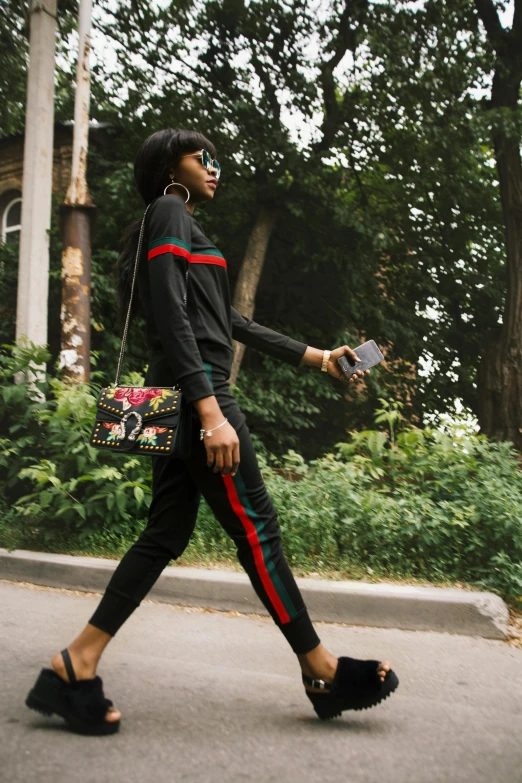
14, 38
416, 143
13, 51
383, 221
500, 378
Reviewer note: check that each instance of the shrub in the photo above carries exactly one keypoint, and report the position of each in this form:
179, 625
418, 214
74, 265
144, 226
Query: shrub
50, 474
431, 504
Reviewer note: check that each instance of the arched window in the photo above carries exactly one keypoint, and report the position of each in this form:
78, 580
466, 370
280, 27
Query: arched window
12, 221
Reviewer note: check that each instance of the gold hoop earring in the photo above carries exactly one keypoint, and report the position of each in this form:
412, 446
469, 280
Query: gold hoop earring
179, 185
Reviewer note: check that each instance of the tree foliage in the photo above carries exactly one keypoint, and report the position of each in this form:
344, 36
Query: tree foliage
367, 127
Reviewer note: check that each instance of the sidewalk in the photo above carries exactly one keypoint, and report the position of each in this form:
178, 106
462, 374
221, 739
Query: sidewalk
404, 607
215, 697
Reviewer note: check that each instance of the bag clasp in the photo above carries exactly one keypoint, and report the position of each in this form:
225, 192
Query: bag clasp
132, 434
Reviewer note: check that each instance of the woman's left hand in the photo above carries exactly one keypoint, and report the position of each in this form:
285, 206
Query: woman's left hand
334, 369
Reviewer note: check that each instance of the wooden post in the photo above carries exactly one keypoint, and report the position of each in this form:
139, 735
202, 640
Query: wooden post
76, 221
33, 274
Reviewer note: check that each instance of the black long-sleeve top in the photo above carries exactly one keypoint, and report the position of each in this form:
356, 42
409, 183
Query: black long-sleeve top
183, 285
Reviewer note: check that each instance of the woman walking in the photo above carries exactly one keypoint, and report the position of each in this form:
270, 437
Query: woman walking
184, 293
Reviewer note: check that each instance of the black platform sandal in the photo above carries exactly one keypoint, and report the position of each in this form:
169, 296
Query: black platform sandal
355, 686
81, 702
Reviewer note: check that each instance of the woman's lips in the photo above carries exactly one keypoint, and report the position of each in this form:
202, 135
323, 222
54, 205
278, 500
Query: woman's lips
212, 184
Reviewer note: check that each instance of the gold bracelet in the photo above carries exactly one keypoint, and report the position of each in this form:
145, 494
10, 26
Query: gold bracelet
326, 359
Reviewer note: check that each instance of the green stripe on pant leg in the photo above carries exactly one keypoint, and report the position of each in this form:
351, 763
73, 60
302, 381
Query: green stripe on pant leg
265, 546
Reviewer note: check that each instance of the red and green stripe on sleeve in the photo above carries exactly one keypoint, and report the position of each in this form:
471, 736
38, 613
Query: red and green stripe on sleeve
179, 248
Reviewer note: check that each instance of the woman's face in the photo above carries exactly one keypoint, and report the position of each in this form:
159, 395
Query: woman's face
190, 171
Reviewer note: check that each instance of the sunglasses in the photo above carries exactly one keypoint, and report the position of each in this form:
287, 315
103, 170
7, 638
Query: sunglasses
206, 160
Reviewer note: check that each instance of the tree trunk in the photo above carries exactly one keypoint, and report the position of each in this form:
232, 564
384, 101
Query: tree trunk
250, 274
77, 220
500, 372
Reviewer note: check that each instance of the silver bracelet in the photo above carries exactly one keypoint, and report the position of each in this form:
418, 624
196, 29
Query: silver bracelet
209, 432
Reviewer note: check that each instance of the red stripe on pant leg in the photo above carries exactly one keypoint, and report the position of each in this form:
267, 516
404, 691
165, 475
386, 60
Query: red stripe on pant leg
255, 545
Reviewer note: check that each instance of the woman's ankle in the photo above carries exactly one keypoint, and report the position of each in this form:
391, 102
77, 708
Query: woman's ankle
88, 647
319, 663
83, 670
86, 658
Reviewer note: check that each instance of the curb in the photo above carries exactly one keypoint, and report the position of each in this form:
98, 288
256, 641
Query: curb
439, 609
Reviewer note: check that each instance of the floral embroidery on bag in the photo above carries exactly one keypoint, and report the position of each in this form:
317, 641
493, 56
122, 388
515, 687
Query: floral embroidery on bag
149, 435
114, 433
137, 395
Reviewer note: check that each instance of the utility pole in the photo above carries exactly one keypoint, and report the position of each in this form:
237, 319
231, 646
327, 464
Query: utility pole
77, 214
33, 274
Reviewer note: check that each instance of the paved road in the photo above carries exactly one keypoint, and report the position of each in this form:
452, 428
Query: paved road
215, 698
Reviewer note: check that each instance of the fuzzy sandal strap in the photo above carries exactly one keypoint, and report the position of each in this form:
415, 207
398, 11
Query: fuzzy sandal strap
352, 673
88, 701
87, 696
356, 676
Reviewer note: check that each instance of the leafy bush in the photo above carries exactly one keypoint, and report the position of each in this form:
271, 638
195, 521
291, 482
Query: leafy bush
433, 506
50, 474
423, 503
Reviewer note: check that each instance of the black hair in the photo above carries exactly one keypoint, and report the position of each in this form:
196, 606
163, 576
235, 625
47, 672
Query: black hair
159, 153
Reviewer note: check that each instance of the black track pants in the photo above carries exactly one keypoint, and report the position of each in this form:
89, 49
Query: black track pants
243, 507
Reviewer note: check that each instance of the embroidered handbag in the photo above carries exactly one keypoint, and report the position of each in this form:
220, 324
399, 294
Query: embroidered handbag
142, 420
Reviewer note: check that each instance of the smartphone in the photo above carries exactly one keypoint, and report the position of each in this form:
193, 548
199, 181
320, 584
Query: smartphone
368, 353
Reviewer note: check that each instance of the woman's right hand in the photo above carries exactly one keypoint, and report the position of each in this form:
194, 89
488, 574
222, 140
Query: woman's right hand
222, 448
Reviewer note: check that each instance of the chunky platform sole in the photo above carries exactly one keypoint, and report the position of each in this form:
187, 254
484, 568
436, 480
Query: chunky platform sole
356, 686
334, 707
81, 704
